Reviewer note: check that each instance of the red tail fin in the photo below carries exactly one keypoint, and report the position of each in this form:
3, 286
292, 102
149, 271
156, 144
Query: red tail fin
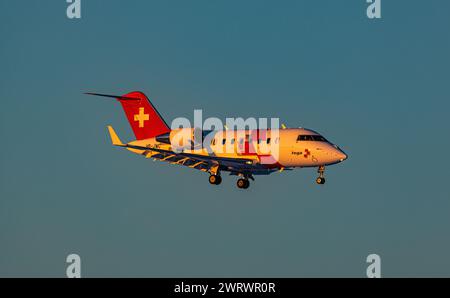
144, 119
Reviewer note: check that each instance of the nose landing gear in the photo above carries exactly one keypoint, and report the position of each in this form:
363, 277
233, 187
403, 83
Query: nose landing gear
321, 178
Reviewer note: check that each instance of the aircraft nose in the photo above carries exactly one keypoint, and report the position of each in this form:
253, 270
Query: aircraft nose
341, 155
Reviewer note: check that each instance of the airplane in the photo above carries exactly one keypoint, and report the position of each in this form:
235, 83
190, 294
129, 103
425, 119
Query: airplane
297, 147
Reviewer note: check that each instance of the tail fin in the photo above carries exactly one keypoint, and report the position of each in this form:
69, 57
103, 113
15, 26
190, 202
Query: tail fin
142, 116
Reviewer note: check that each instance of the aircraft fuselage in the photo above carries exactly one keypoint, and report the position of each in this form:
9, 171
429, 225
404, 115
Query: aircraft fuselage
283, 148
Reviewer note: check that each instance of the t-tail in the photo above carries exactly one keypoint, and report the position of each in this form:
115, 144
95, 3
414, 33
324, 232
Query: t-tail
142, 116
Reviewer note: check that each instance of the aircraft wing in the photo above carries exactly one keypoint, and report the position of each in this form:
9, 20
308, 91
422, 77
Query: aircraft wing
192, 160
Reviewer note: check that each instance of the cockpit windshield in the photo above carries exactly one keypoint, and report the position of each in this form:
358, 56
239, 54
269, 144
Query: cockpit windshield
311, 138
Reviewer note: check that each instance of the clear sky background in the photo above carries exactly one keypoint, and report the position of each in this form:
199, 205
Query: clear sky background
379, 89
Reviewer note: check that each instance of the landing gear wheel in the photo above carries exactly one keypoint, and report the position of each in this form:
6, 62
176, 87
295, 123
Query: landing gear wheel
243, 183
247, 184
320, 180
215, 179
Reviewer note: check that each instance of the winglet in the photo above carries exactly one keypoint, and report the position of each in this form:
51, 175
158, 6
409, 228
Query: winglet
114, 138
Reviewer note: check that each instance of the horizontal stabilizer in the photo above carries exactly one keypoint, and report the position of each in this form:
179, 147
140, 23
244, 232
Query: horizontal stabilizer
114, 138
119, 97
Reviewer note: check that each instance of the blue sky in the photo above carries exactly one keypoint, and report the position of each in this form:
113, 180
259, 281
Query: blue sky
379, 89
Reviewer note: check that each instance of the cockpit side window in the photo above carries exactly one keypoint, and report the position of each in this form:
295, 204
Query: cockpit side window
311, 138
319, 139
304, 138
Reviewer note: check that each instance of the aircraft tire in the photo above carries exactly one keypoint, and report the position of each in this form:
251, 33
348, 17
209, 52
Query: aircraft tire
213, 179
320, 180
243, 183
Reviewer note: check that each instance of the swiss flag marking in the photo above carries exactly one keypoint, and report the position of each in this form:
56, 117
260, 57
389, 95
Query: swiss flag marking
141, 117
307, 153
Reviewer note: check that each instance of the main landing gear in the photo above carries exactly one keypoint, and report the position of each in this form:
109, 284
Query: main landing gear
243, 183
215, 179
321, 178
